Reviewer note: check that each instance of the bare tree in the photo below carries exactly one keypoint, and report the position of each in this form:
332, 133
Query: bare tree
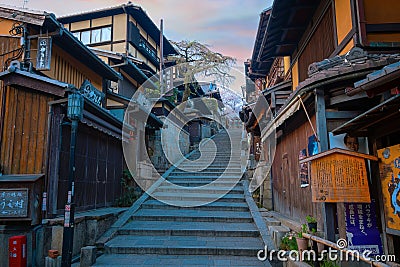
200, 59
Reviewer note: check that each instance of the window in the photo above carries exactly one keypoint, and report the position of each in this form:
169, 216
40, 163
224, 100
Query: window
77, 35
106, 34
85, 37
94, 36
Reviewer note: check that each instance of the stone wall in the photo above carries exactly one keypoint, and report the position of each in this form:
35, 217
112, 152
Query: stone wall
89, 226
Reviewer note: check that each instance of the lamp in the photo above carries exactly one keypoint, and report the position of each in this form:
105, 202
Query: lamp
75, 106
74, 113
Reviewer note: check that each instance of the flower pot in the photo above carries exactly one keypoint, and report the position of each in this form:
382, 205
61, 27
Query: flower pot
302, 243
312, 226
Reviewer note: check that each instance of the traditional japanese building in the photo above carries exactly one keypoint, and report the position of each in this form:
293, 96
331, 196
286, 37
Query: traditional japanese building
330, 64
38, 74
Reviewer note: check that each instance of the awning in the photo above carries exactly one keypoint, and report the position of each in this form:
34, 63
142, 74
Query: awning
15, 76
287, 112
383, 112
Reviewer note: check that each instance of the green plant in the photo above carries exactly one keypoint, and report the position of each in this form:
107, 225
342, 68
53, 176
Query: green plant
303, 230
131, 191
311, 219
288, 242
328, 263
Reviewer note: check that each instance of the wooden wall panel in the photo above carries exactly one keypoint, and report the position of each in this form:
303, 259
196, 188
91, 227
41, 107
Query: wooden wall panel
69, 70
99, 165
23, 146
8, 45
289, 198
320, 46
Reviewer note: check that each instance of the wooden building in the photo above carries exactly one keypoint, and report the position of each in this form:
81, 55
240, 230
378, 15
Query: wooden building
315, 53
35, 130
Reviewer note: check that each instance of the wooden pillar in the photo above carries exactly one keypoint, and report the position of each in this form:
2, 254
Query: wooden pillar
328, 209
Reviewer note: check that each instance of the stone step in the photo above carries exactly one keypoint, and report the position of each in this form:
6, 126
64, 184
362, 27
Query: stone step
198, 197
129, 260
277, 232
207, 174
208, 169
234, 206
184, 245
157, 228
200, 182
210, 190
208, 179
191, 215
271, 221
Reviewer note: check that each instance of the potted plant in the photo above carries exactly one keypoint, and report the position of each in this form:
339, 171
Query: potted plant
302, 243
312, 222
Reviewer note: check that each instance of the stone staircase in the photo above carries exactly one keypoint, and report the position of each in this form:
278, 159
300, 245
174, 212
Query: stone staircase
193, 229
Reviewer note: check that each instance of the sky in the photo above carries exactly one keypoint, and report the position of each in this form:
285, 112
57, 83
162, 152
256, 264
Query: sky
227, 26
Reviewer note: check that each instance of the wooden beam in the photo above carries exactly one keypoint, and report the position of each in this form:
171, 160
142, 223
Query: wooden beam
344, 98
336, 115
383, 27
328, 209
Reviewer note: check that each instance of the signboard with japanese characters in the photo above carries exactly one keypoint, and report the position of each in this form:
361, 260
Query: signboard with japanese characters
91, 93
14, 202
361, 228
303, 170
389, 167
339, 175
43, 56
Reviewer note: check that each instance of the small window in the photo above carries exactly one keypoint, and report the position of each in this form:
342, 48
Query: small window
77, 35
96, 36
85, 37
106, 34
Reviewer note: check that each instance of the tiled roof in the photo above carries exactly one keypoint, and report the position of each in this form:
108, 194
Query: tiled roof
354, 61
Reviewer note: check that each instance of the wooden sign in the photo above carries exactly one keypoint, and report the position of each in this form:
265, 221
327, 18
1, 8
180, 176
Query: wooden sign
43, 57
91, 93
389, 167
339, 175
14, 202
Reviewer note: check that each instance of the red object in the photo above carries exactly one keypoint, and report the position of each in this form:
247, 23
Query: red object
17, 251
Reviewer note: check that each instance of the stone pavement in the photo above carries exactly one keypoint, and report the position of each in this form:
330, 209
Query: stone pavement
225, 232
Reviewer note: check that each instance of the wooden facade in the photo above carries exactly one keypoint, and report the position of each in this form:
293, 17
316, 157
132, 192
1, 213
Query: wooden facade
339, 44
99, 164
35, 135
290, 198
24, 131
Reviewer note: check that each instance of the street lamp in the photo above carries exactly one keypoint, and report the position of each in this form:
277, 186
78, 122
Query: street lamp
74, 113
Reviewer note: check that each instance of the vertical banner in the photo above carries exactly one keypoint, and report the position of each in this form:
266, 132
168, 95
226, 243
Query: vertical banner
303, 169
361, 228
312, 145
43, 56
389, 168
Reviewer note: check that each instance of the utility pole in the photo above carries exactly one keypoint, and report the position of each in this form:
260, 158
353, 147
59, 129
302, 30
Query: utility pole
161, 57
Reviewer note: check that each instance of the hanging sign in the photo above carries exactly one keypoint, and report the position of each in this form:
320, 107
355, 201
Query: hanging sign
389, 167
43, 56
339, 175
91, 93
303, 169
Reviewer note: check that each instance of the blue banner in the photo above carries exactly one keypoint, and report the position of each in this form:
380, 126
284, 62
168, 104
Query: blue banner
361, 228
